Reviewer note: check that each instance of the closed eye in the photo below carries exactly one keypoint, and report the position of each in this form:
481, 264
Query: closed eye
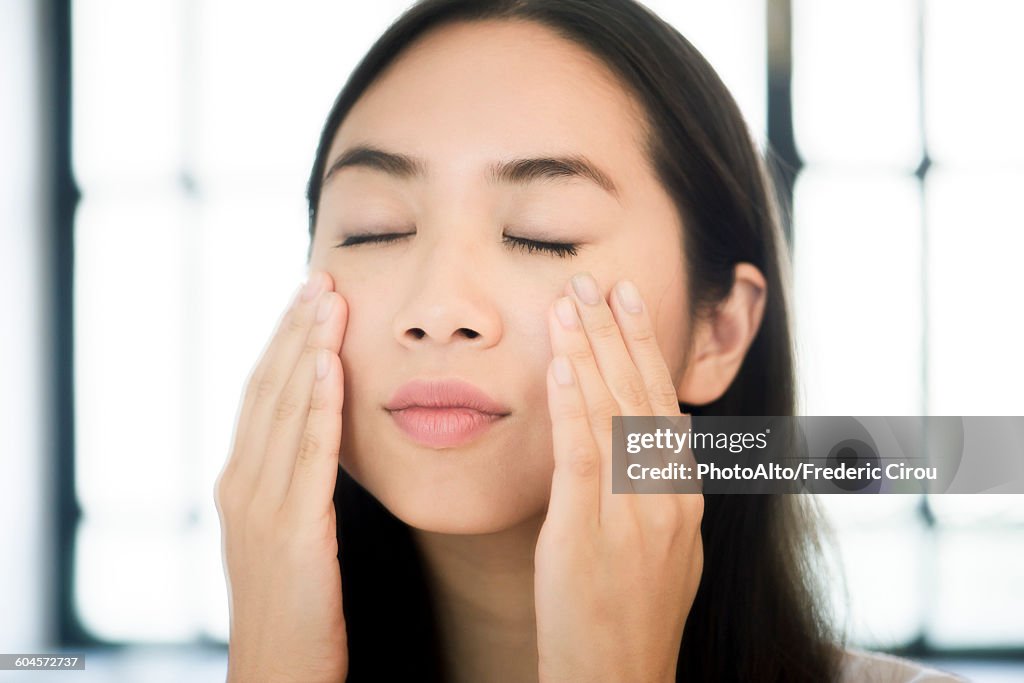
560, 249
353, 240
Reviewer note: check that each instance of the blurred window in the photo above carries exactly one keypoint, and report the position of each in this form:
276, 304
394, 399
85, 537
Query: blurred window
194, 127
906, 245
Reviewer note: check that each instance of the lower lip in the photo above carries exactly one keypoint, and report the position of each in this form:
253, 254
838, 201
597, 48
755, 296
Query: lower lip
443, 427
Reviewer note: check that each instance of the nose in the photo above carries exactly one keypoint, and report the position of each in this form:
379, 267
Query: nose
449, 301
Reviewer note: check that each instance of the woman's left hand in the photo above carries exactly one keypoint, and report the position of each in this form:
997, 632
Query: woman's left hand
615, 574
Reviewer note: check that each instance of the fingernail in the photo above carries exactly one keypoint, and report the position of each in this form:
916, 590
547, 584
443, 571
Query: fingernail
321, 363
562, 370
586, 288
629, 296
323, 311
566, 312
312, 286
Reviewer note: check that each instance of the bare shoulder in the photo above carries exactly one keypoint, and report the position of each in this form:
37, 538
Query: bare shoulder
865, 666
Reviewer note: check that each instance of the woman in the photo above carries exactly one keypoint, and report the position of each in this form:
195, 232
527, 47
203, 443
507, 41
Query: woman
526, 216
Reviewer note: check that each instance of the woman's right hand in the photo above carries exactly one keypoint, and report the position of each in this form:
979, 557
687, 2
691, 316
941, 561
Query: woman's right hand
274, 497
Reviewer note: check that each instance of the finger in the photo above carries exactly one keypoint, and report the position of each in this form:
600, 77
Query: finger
609, 350
311, 490
576, 482
265, 382
289, 432
638, 333
292, 327
569, 339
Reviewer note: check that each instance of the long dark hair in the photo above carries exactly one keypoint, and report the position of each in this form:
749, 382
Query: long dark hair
758, 614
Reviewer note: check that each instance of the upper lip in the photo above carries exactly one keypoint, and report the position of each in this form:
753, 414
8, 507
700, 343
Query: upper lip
450, 393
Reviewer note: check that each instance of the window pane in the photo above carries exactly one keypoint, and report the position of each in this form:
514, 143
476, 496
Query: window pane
129, 365
869, 511
974, 101
973, 511
127, 79
975, 330
855, 85
857, 272
884, 569
132, 579
980, 576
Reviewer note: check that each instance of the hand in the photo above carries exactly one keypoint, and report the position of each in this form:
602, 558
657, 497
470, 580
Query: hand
616, 574
275, 502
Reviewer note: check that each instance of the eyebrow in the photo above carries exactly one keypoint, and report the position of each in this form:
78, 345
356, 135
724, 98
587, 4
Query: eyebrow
514, 171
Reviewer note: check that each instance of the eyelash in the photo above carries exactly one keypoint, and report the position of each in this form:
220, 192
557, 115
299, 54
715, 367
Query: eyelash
560, 249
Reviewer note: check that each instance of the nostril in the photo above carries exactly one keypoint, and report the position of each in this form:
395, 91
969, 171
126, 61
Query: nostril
419, 333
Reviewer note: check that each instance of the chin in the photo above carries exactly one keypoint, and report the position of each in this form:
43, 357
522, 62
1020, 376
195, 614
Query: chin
462, 520
455, 507
468, 500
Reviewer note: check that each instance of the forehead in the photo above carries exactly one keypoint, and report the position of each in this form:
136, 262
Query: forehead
467, 93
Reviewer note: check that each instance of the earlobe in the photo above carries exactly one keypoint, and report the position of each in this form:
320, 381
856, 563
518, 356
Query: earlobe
722, 339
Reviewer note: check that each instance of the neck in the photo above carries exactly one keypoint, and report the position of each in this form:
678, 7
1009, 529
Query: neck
483, 590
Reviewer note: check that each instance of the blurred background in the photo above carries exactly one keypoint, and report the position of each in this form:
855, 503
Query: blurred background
154, 224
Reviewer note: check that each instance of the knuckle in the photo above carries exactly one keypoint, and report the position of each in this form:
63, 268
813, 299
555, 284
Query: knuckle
224, 497
294, 323
219, 494
287, 406
633, 391
581, 356
693, 503
582, 462
265, 387
604, 329
664, 394
573, 411
319, 401
310, 445
602, 410
643, 336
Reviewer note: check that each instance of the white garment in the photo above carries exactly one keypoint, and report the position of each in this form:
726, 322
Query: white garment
864, 666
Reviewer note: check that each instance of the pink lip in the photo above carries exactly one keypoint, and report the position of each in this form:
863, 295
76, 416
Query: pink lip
442, 414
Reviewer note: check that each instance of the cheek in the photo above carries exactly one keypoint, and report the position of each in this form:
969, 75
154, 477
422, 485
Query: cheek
527, 328
666, 298
671, 333
528, 339
366, 349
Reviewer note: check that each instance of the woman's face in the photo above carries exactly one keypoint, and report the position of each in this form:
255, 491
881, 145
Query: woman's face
451, 299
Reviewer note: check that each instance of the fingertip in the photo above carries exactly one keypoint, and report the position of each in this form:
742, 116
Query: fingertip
328, 279
342, 306
629, 297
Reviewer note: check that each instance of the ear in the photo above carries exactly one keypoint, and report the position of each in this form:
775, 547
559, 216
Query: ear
720, 342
